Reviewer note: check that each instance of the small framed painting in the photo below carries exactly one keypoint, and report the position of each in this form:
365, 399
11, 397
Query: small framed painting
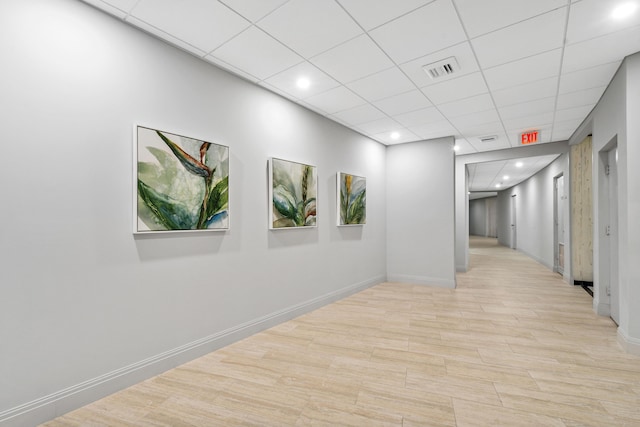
293, 189
180, 183
352, 199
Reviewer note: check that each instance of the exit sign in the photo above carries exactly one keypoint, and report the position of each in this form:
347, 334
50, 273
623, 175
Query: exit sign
529, 137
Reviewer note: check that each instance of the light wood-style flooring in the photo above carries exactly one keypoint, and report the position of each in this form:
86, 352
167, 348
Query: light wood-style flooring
513, 345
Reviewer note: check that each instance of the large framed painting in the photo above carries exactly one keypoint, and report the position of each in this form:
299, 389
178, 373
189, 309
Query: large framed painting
352, 199
293, 189
181, 183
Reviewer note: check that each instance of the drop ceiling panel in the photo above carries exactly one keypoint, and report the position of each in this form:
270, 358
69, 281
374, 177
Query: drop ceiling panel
544, 88
230, 68
361, 114
428, 29
592, 18
523, 71
528, 109
118, 8
457, 88
521, 40
481, 17
587, 78
573, 113
310, 27
335, 100
580, 98
379, 126
254, 10
286, 81
601, 50
404, 135
352, 60
475, 119
200, 23
464, 147
463, 54
434, 129
466, 106
483, 129
520, 124
373, 16
403, 103
257, 53
419, 117
382, 85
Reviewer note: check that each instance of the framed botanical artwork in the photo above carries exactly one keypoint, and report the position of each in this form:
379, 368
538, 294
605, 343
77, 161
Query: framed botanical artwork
352, 199
293, 188
180, 183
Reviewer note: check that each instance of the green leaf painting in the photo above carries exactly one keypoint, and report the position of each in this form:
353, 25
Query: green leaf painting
293, 190
182, 183
352, 199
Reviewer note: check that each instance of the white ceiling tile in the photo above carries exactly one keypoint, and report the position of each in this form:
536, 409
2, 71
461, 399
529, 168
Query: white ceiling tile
361, 114
379, 126
520, 124
161, 34
588, 78
428, 29
573, 113
466, 106
419, 117
434, 130
310, 27
527, 109
312, 107
404, 135
382, 85
371, 16
592, 18
475, 119
230, 68
463, 54
457, 88
403, 103
500, 143
118, 8
483, 129
286, 81
334, 100
464, 147
257, 53
561, 135
571, 125
580, 98
354, 59
527, 92
481, 17
253, 10
521, 40
525, 70
202, 23
601, 50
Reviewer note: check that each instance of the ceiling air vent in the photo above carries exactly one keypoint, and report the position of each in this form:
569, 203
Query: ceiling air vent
488, 138
442, 68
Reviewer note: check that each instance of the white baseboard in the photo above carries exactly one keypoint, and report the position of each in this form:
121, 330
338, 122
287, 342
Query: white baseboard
63, 401
630, 345
422, 280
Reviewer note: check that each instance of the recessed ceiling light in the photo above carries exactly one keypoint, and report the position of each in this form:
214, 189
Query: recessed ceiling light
505, 177
395, 135
498, 185
519, 164
456, 148
624, 10
303, 83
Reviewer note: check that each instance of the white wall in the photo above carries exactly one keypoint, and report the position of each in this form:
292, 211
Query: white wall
420, 213
85, 306
534, 212
482, 217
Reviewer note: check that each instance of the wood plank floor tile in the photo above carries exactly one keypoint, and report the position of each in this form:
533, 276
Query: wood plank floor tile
512, 345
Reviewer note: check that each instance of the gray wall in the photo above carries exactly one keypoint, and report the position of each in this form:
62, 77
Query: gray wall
420, 206
534, 213
88, 308
482, 217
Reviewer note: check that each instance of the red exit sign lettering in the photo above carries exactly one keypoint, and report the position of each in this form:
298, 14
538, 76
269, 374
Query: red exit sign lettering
529, 137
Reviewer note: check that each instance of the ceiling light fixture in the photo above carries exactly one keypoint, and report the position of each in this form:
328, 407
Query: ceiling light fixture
456, 148
395, 135
303, 83
624, 10
498, 185
506, 177
519, 164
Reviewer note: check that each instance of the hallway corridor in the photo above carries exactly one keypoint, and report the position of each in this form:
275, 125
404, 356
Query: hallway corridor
513, 345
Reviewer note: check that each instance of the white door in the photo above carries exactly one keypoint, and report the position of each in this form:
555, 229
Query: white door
559, 224
612, 232
514, 233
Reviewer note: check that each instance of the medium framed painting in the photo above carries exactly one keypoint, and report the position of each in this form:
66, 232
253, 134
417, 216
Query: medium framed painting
352, 199
293, 189
180, 183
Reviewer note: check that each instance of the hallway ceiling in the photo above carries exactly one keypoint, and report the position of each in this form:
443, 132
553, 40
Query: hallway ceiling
518, 65
502, 174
